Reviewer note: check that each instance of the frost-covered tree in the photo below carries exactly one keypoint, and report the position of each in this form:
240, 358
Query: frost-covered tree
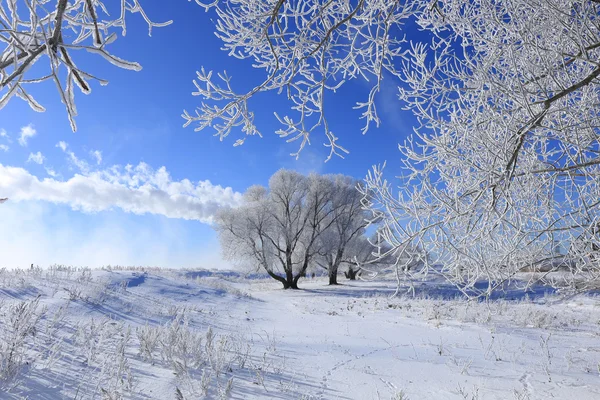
47, 33
506, 161
367, 254
294, 224
276, 228
345, 224
361, 252
505, 158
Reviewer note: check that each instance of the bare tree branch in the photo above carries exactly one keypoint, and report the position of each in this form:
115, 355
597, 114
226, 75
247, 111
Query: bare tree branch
29, 37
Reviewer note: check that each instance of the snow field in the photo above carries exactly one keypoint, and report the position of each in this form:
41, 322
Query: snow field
166, 334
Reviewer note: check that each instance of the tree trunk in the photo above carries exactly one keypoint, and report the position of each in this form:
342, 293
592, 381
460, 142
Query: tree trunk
333, 279
290, 281
333, 270
302, 272
282, 280
294, 284
351, 274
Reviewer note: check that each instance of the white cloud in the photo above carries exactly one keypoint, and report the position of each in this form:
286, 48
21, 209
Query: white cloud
51, 172
37, 158
4, 134
97, 154
81, 165
62, 145
138, 190
27, 132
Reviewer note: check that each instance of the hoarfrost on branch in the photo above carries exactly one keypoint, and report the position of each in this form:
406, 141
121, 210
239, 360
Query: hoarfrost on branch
33, 32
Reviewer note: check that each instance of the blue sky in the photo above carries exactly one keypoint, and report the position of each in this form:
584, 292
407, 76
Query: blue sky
135, 120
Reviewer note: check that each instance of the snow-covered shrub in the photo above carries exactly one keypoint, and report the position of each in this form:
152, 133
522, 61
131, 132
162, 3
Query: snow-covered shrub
180, 345
116, 378
17, 329
89, 338
148, 337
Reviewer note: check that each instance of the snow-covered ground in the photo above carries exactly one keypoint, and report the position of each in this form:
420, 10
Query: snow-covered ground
81, 334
